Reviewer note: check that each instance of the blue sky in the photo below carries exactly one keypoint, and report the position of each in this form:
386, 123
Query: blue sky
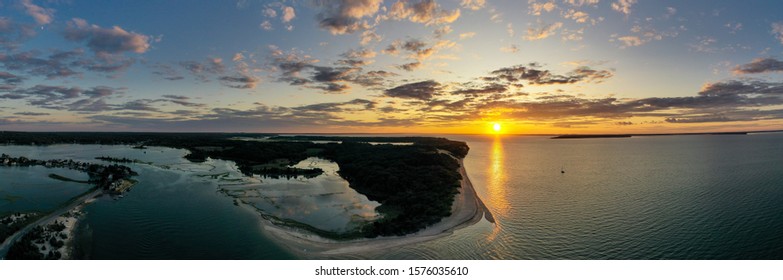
417, 66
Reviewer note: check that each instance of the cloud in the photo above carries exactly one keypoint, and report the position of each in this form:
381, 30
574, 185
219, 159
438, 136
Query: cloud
100, 40
536, 8
777, 31
31, 114
369, 36
344, 17
409, 66
578, 16
202, 70
301, 70
41, 15
642, 36
573, 35
427, 12
240, 81
486, 89
543, 31
623, 6
466, 35
337, 107
358, 57
54, 66
579, 3
417, 49
760, 65
424, 90
473, 4
166, 71
440, 32
535, 76
10, 79
510, 49
266, 25
269, 12
65, 98
288, 14
734, 27
13, 34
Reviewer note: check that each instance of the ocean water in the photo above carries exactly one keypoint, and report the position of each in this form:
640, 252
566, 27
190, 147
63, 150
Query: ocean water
667, 197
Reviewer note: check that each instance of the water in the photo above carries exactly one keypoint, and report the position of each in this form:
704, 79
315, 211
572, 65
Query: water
29, 189
672, 197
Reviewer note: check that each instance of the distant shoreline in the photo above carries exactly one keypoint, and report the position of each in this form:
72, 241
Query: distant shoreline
467, 209
588, 136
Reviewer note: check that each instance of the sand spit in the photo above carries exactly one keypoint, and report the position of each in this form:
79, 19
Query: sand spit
467, 209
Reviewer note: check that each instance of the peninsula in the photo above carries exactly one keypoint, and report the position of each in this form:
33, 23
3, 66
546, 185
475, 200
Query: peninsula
420, 182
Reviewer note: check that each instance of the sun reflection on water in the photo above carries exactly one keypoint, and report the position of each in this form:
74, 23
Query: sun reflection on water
496, 186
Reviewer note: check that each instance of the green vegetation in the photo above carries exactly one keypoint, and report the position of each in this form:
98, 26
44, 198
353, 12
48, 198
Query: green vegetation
14, 222
49, 238
415, 184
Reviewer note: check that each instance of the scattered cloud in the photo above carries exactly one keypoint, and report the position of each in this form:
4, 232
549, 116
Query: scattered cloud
777, 31
100, 40
543, 31
344, 17
239, 81
760, 65
12, 34
466, 35
31, 114
734, 27
266, 25
9, 79
643, 35
535, 8
288, 14
42, 16
623, 6
427, 12
409, 66
510, 49
202, 70
532, 74
473, 4
580, 3
424, 90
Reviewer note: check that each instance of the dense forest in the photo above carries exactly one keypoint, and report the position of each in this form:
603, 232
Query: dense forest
415, 184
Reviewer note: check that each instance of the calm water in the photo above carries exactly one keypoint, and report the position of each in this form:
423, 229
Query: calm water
673, 197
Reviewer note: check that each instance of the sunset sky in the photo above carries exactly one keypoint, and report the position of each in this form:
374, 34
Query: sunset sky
565, 66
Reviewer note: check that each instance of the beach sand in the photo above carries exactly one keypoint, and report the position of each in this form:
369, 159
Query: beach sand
467, 209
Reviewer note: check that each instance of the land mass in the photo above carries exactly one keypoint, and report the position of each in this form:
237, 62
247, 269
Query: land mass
417, 185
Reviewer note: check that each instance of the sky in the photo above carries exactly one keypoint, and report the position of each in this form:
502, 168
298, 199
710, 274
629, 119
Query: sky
373, 66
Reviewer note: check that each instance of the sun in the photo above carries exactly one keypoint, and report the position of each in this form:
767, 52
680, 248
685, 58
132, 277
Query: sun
496, 127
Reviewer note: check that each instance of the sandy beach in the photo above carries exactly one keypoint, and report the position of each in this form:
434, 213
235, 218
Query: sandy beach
467, 209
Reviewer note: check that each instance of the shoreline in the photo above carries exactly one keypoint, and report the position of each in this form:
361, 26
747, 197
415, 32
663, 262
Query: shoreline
467, 209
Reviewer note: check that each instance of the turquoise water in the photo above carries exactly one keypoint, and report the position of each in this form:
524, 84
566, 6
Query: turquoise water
672, 197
